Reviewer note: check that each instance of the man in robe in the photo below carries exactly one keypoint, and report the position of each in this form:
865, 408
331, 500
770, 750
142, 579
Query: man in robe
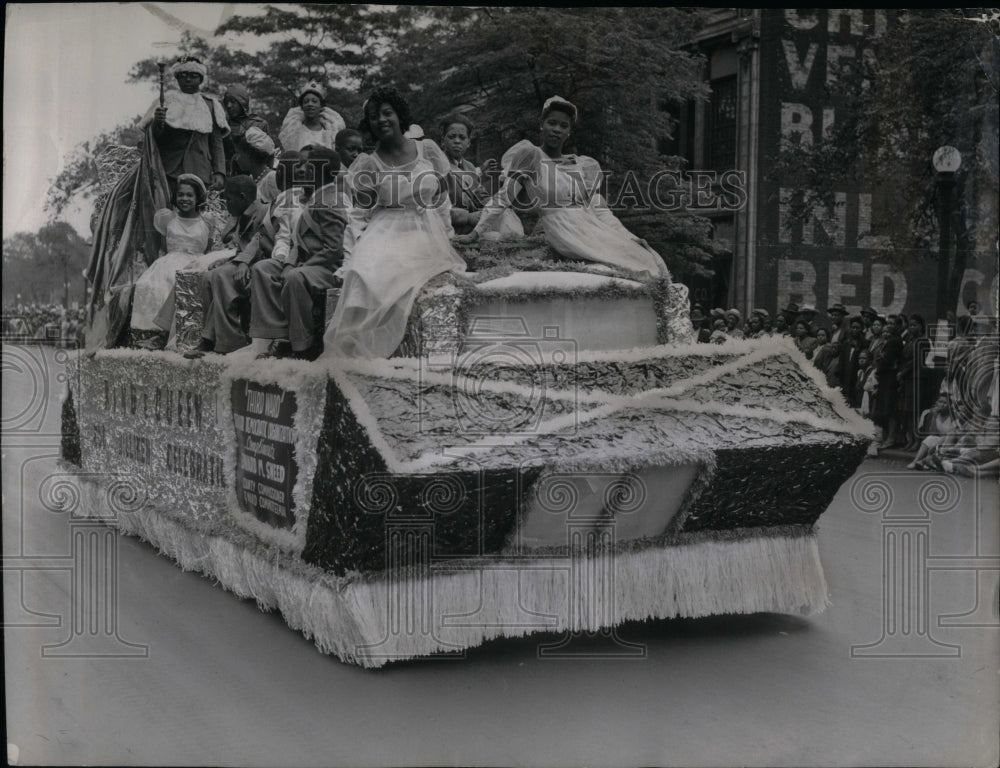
189, 128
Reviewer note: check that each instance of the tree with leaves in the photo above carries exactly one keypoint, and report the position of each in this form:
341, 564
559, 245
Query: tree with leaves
46, 266
617, 65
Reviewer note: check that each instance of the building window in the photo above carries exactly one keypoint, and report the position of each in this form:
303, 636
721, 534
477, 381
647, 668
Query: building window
720, 152
680, 143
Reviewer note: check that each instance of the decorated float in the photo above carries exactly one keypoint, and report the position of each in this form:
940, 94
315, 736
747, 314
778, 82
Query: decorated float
549, 452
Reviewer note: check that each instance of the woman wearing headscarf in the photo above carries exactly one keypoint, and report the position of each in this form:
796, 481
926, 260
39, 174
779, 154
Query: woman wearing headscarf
236, 100
577, 221
311, 122
189, 128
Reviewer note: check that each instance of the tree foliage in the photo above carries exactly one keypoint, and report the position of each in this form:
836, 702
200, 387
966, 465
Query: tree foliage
44, 266
618, 65
78, 177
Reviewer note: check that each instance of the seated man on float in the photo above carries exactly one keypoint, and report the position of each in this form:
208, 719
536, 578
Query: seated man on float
281, 291
466, 187
226, 279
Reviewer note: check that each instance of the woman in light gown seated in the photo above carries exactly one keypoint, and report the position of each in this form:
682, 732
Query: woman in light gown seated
574, 216
401, 227
188, 235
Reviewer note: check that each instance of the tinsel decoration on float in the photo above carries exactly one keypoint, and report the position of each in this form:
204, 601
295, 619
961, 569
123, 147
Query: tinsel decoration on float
520, 448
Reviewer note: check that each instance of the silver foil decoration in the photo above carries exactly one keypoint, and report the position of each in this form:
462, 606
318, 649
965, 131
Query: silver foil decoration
189, 312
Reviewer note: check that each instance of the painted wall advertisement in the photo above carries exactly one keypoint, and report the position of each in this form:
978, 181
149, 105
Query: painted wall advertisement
832, 255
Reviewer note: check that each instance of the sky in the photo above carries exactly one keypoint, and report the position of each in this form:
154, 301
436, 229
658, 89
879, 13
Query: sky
65, 66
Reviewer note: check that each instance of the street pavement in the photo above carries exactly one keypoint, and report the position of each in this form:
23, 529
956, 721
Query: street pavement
901, 669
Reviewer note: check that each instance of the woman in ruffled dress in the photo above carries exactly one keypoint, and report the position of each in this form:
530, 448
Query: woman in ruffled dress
574, 216
188, 235
311, 122
401, 223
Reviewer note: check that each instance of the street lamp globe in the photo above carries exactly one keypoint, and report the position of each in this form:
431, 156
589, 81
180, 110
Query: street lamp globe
947, 159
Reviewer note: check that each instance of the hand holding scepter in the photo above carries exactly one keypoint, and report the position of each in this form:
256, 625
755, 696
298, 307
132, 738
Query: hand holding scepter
160, 116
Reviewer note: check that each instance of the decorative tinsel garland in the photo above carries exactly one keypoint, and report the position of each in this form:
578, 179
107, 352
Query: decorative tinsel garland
465, 606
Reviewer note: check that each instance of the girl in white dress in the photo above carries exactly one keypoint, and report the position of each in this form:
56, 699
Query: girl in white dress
574, 216
401, 223
187, 235
312, 122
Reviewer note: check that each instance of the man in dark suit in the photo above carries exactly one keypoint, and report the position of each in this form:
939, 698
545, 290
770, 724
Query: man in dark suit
850, 347
224, 289
281, 291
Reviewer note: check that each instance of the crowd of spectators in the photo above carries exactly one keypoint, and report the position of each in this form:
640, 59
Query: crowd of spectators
936, 398
35, 323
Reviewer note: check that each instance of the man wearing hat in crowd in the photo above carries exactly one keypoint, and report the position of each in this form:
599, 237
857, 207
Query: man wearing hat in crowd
837, 313
733, 318
807, 315
236, 100
757, 329
853, 343
790, 313
868, 316
189, 128
698, 321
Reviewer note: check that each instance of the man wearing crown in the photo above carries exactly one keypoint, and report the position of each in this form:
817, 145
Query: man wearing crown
189, 127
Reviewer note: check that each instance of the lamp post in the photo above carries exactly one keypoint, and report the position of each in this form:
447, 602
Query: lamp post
947, 160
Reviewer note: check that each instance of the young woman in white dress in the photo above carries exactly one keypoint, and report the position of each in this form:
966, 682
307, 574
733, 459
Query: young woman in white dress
311, 122
188, 235
401, 223
574, 216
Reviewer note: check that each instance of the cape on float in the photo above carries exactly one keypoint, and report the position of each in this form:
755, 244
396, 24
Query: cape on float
552, 454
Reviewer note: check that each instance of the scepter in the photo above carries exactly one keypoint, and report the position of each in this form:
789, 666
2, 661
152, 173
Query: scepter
161, 65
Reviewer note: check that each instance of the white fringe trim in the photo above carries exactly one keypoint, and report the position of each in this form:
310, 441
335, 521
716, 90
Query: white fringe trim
373, 622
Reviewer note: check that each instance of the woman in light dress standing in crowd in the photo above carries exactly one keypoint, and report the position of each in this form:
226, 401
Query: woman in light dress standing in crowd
576, 220
311, 122
401, 223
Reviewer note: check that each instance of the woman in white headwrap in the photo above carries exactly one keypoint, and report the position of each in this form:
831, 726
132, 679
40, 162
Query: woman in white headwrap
189, 128
311, 122
577, 221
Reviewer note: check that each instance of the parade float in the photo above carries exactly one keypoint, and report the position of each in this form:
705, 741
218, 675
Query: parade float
549, 452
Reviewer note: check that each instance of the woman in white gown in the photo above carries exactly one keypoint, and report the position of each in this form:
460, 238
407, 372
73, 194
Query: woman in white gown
188, 235
574, 216
401, 223
311, 122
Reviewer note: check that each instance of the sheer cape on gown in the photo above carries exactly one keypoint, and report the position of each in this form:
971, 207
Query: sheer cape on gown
399, 245
574, 216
